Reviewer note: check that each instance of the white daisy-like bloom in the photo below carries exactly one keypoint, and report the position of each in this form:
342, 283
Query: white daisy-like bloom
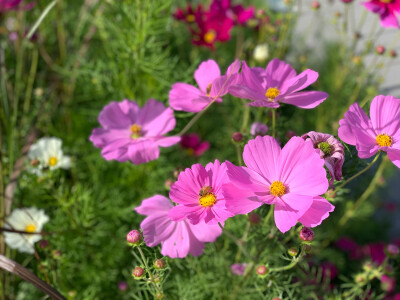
47, 153
261, 52
25, 219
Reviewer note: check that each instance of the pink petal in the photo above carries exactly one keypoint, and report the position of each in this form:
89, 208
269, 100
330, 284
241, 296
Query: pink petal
119, 115
221, 85
101, 137
156, 203
301, 168
218, 174
261, 155
143, 151
178, 244
394, 156
167, 141
117, 150
290, 209
306, 100
188, 98
278, 72
318, 212
240, 201
385, 115
181, 212
206, 73
389, 19
156, 119
206, 233
300, 82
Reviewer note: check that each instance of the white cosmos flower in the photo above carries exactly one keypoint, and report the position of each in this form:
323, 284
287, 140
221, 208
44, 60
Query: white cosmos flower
25, 219
261, 52
47, 153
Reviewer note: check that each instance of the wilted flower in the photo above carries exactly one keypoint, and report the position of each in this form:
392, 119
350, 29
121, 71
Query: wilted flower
211, 84
193, 144
25, 219
238, 269
291, 178
387, 10
132, 133
276, 84
380, 132
45, 154
198, 191
330, 149
177, 239
258, 128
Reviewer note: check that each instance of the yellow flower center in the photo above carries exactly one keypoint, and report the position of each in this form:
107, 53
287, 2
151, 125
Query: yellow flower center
136, 131
53, 161
210, 36
190, 151
384, 140
190, 18
386, 1
207, 197
208, 90
277, 189
272, 93
30, 228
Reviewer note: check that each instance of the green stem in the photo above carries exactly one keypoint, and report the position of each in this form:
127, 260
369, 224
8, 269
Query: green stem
237, 242
195, 118
294, 262
269, 215
31, 80
361, 172
148, 270
273, 122
239, 154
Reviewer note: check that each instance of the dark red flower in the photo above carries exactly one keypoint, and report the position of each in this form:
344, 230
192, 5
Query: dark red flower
193, 144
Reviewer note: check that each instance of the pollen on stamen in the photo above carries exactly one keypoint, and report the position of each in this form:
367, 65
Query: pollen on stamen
53, 161
210, 36
30, 228
384, 140
277, 189
136, 131
208, 90
207, 200
272, 93
190, 18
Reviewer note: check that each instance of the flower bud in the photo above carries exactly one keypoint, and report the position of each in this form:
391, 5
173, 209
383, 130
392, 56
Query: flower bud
306, 234
133, 237
237, 137
168, 183
307, 248
392, 250
315, 5
138, 273
159, 296
122, 285
368, 266
360, 278
293, 251
261, 270
380, 50
159, 264
393, 53
388, 283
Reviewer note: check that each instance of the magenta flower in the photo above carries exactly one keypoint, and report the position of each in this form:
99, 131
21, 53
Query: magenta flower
381, 132
238, 269
198, 191
276, 84
177, 239
193, 144
132, 133
387, 10
188, 15
329, 149
258, 128
224, 8
211, 84
14, 5
291, 178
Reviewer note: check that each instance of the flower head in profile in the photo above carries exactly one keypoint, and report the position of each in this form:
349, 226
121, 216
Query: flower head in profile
25, 219
212, 86
330, 149
198, 192
379, 132
193, 145
387, 11
131, 133
177, 239
258, 128
6, 5
291, 178
47, 154
276, 84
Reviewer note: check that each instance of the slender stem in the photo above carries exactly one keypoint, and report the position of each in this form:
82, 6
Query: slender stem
273, 122
148, 270
237, 242
269, 215
294, 262
361, 172
195, 118
40, 20
31, 80
239, 154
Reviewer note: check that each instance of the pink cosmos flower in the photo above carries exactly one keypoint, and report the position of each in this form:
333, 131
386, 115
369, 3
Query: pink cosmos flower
211, 84
329, 149
380, 132
291, 178
258, 128
14, 5
276, 84
193, 144
387, 10
238, 269
132, 133
198, 191
224, 8
177, 239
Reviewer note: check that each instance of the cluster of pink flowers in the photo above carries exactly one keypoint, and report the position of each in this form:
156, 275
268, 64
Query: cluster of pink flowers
214, 24
292, 179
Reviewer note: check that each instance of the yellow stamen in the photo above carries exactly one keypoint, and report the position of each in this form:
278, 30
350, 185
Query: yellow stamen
136, 131
277, 189
384, 140
190, 18
207, 200
30, 228
53, 161
272, 93
210, 36
208, 90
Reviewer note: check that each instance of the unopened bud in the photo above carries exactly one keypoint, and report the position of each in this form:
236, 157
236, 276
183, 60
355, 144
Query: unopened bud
293, 251
306, 234
138, 273
159, 264
43, 244
315, 5
368, 266
168, 183
380, 49
360, 278
392, 250
261, 270
237, 137
159, 296
393, 53
133, 237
